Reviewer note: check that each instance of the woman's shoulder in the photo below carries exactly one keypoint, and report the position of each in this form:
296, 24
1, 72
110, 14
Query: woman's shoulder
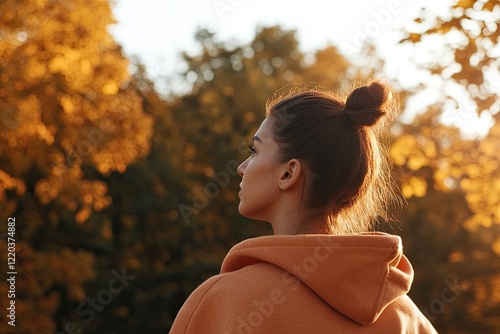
222, 298
248, 280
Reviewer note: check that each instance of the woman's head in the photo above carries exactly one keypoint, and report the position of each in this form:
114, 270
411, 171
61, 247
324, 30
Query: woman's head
342, 176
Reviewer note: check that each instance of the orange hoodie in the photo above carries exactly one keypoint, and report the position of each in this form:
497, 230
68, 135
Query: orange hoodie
355, 283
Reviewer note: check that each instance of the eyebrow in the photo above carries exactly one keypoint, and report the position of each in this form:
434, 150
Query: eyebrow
256, 138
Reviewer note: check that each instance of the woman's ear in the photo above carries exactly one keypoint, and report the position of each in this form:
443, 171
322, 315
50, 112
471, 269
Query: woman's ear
290, 174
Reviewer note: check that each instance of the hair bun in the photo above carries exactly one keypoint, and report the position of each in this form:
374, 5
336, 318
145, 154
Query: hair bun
365, 105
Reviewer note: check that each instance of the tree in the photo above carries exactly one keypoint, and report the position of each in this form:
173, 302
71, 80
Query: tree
470, 35
442, 238
474, 66
67, 119
438, 159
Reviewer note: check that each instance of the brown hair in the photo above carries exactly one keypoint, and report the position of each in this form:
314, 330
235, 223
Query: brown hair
346, 169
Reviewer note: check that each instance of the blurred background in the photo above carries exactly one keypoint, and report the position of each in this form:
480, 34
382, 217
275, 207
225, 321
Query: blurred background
122, 123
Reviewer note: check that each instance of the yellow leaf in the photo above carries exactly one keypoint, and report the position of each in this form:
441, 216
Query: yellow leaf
57, 64
85, 66
429, 148
419, 186
416, 186
107, 232
457, 157
407, 190
83, 214
456, 257
110, 88
417, 161
402, 148
474, 171
87, 198
479, 219
67, 104
496, 246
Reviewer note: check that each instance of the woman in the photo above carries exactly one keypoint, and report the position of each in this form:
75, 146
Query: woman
317, 173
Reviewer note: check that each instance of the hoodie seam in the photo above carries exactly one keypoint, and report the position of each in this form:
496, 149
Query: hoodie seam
201, 301
384, 290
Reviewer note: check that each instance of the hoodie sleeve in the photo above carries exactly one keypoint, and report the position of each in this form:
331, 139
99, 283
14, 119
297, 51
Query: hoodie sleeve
196, 313
225, 303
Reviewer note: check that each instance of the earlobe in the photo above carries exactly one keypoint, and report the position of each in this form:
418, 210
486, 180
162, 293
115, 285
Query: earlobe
290, 174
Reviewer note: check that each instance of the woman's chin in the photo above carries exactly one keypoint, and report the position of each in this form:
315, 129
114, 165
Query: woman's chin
243, 211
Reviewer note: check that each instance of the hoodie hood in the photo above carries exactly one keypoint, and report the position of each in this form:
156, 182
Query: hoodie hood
356, 274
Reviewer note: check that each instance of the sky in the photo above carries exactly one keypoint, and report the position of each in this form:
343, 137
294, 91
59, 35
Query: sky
159, 30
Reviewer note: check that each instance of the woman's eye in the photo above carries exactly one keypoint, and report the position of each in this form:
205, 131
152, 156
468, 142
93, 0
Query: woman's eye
251, 149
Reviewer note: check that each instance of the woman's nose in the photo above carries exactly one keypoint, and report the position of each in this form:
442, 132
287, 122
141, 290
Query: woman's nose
241, 168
